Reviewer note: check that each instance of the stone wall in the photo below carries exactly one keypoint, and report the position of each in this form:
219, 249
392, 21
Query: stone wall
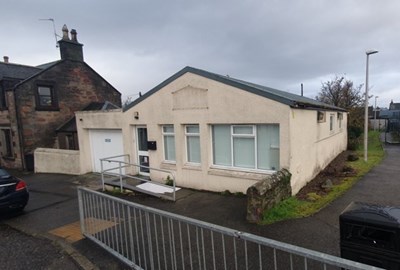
75, 84
267, 193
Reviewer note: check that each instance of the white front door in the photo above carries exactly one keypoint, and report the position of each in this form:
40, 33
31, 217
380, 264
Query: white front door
142, 151
106, 143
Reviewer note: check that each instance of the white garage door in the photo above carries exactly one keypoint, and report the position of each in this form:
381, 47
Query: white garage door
105, 143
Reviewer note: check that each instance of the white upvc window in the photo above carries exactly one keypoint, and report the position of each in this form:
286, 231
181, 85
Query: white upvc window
192, 133
246, 146
169, 142
340, 119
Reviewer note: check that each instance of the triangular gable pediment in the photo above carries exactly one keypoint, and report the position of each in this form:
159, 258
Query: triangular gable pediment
190, 98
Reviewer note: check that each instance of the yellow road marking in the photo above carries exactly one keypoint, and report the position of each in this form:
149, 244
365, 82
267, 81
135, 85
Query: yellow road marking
72, 232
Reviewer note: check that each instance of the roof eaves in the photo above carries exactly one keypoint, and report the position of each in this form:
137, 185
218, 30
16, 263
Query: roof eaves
249, 87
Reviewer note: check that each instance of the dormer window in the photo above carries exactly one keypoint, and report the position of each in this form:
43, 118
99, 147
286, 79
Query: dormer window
46, 98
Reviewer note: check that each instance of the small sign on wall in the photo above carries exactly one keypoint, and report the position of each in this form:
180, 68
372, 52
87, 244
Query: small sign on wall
107, 140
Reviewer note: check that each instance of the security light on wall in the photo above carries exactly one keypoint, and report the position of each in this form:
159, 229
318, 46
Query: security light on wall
136, 115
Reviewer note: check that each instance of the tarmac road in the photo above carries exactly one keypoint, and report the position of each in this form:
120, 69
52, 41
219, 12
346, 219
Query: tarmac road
21, 251
28, 241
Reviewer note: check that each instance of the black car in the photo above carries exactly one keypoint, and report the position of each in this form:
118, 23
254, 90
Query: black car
14, 193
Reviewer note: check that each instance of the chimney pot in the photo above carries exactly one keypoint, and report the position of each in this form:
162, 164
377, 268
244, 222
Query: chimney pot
65, 32
74, 35
5, 59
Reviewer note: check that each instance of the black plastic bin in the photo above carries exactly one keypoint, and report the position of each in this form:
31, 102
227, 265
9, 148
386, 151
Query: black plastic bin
370, 234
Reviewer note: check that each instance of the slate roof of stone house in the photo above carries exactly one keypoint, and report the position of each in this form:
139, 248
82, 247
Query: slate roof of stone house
394, 106
292, 100
47, 65
17, 71
25, 73
70, 125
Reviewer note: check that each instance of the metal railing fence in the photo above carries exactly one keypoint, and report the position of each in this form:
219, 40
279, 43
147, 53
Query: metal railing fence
118, 171
147, 238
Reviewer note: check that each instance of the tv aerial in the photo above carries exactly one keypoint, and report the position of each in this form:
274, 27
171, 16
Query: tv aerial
54, 29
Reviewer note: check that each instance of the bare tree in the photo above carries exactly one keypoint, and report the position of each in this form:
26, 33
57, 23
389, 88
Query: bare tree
342, 93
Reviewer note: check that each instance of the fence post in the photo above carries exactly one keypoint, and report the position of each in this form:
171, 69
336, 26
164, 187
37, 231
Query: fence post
174, 185
120, 176
81, 214
102, 174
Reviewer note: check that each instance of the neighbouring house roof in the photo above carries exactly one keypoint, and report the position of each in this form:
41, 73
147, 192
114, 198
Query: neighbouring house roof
47, 65
389, 114
394, 106
26, 73
16, 71
70, 125
292, 100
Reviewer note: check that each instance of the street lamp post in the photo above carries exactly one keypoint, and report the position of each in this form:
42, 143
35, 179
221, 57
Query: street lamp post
376, 97
368, 53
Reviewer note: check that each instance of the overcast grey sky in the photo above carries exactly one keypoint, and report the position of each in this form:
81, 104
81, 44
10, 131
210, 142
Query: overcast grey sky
136, 44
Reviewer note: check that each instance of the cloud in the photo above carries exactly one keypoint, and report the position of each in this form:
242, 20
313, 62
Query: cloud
137, 44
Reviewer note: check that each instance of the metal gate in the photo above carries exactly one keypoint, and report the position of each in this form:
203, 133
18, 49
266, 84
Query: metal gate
147, 238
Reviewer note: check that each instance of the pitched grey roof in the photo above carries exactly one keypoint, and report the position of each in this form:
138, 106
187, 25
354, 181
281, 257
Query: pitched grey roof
292, 100
16, 71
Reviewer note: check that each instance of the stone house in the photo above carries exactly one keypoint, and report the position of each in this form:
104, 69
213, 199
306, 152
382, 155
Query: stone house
215, 133
36, 101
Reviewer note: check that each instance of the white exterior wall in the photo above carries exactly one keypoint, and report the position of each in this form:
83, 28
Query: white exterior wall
313, 145
48, 160
305, 145
192, 99
87, 120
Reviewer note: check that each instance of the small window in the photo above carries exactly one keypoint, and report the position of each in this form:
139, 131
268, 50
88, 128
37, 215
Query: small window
320, 117
169, 142
3, 101
192, 133
331, 119
340, 119
46, 99
7, 146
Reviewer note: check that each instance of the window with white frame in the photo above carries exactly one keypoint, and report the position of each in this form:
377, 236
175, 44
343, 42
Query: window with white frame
192, 133
246, 146
169, 142
331, 119
340, 119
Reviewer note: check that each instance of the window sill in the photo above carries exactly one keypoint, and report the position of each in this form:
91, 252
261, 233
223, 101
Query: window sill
192, 166
168, 165
238, 173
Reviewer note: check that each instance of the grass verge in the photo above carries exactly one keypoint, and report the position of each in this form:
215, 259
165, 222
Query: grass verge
295, 208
